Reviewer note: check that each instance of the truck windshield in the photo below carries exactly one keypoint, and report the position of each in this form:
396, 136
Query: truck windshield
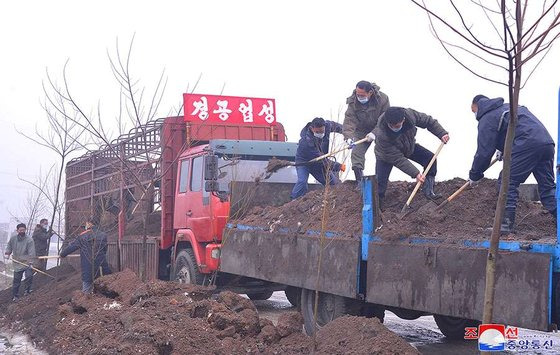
235, 170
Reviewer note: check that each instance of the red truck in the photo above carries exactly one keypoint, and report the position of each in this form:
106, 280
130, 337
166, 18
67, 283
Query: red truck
156, 173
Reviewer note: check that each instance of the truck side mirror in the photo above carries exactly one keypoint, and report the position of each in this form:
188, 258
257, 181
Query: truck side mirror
210, 168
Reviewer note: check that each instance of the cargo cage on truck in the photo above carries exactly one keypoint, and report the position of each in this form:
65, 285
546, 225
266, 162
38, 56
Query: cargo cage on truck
136, 175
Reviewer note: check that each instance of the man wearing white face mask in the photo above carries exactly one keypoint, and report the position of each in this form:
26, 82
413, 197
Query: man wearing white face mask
366, 104
396, 144
314, 142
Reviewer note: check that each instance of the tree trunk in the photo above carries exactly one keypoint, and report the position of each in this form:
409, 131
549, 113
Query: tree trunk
514, 88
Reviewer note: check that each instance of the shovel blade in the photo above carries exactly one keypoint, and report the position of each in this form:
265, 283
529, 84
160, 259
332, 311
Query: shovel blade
406, 210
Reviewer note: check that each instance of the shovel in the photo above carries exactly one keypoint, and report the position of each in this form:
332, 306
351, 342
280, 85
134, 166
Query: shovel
276, 164
406, 208
432, 205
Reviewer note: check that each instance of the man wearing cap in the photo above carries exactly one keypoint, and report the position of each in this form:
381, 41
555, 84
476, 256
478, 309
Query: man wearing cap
395, 144
532, 153
315, 141
366, 104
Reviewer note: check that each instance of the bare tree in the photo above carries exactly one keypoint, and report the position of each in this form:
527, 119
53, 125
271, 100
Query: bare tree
64, 137
34, 204
142, 171
508, 37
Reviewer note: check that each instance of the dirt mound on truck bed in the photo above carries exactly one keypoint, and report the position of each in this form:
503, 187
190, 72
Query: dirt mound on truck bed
469, 216
125, 315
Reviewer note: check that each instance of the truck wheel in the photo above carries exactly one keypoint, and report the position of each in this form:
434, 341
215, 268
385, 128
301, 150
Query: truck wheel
293, 294
329, 307
186, 269
452, 327
260, 296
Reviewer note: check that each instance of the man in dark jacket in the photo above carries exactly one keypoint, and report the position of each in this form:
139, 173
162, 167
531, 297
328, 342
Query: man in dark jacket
365, 106
395, 144
314, 142
41, 238
92, 244
532, 153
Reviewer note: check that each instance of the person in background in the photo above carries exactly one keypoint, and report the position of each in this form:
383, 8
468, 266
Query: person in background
314, 142
395, 137
366, 104
22, 251
92, 244
41, 238
532, 153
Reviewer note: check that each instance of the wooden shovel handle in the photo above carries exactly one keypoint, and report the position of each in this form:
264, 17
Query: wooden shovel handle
424, 175
461, 189
330, 154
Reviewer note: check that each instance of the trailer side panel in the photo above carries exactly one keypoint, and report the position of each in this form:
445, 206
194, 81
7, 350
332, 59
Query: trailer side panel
451, 281
292, 259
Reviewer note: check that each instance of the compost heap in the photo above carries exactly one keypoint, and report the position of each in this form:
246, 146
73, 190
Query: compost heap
125, 315
469, 216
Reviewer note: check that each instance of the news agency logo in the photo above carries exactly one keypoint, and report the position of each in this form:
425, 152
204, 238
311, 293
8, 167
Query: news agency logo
498, 337
492, 337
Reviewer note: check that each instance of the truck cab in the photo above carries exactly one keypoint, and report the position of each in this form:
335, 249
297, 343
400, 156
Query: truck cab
215, 181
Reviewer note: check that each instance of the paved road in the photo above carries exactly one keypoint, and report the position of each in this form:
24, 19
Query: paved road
422, 333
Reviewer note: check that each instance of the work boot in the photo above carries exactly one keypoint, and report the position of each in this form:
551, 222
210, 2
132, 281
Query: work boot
359, 174
428, 188
508, 221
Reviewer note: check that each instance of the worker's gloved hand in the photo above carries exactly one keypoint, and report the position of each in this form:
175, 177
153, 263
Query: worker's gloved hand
420, 178
336, 167
350, 143
445, 138
499, 155
370, 137
7, 256
473, 183
343, 167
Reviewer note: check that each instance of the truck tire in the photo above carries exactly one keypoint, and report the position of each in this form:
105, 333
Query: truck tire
293, 294
186, 270
329, 307
260, 296
454, 328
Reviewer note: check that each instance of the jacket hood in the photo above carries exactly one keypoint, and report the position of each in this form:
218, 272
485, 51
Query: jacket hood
352, 97
305, 130
487, 105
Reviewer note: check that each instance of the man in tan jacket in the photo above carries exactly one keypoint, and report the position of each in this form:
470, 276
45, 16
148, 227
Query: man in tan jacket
366, 104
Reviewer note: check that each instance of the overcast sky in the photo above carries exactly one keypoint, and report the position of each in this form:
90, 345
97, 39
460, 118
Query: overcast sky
308, 55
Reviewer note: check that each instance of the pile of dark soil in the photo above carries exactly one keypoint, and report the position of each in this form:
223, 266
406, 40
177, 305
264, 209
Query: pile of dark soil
127, 316
37, 314
470, 216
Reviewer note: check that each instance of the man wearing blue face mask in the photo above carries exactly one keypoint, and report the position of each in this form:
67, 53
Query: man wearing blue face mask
366, 104
396, 144
314, 142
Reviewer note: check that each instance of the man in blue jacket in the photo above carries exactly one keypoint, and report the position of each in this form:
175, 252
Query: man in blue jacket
314, 142
532, 153
92, 244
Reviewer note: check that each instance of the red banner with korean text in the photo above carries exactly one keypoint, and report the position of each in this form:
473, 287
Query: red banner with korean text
229, 109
